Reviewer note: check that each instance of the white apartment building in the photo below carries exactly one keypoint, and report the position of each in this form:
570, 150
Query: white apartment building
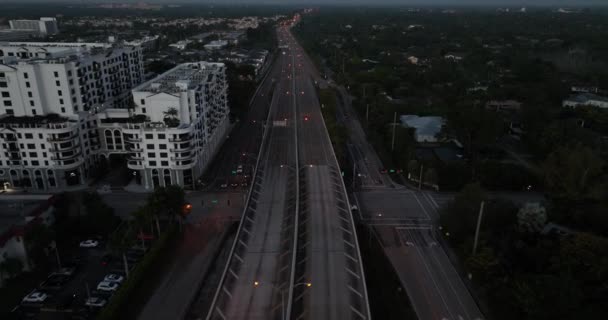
44, 26
178, 123
49, 96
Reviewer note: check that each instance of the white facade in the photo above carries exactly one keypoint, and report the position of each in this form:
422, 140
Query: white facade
586, 99
44, 26
183, 119
49, 96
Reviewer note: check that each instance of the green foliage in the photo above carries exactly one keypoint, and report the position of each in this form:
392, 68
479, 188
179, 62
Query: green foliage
575, 173
38, 238
167, 201
10, 266
337, 132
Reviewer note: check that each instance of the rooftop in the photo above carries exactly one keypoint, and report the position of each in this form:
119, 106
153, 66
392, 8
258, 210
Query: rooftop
49, 118
184, 76
584, 97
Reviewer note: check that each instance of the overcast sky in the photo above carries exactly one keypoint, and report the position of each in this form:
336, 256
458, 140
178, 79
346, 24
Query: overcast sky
353, 2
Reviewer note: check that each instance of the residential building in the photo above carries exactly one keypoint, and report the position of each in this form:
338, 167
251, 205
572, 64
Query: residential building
176, 126
180, 45
426, 128
16, 217
216, 45
586, 99
13, 35
44, 26
50, 94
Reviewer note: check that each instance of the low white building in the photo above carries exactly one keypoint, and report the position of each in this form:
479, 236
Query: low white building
44, 26
586, 99
426, 128
216, 45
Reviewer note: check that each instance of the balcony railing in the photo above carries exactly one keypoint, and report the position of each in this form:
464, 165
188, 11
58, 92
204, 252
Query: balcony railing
135, 158
66, 157
182, 149
63, 138
182, 157
179, 139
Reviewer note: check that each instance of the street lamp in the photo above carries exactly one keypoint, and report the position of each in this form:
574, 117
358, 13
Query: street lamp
283, 315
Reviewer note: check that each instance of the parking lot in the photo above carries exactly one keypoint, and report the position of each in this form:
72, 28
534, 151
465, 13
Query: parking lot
73, 291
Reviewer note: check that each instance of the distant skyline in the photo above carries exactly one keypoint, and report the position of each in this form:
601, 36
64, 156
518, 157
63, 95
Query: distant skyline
570, 3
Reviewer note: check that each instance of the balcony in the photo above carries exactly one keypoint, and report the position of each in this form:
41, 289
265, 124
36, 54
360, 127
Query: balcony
11, 138
182, 157
61, 138
135, 165
59, 148
135, 158
182, 149
132, 140
66, 157
132, 149
179, 139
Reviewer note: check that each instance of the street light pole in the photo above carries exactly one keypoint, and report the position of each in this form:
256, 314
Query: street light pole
420, 180
478, 226
394, 126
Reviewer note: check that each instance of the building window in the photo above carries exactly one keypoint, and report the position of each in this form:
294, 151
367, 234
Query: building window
10, 111
151, 155
29, 136
40, 136
27, 84
143, 110
162, 146
150, 146
33, 155
59, 93
25, 75
5, 94
149, 136
33, 112
32, 103
35, 163
163, 154
161, 135
8, 103
29, 94
62, 110
42, 146
3, 84
152, 163
164, 163
44, 154
143, 101
58, 83
56, 74
31, 145
60, 101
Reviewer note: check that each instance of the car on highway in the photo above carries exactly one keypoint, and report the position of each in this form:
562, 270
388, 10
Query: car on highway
239, 169
113, 278
224, 185
234, 184
107, 286
89, 243
95, 302
35, 296
66, 271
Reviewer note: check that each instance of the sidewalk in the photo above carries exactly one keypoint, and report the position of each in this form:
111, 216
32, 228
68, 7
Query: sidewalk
173, 296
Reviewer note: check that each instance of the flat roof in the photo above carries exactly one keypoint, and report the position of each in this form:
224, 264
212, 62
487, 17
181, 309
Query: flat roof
183, 76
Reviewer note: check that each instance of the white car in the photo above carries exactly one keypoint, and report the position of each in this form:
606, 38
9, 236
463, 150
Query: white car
107, 286
95, 302
89, 244
113, 278
35, 296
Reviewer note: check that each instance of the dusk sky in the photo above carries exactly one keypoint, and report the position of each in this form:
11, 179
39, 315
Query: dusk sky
346, 2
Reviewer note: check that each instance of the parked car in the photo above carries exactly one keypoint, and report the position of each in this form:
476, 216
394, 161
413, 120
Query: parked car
54, 282
106, 259
35, 296
95, 302
107, 286
89, 243
113, 278
67, 271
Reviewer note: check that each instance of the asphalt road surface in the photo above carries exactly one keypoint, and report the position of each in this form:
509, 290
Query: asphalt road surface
329, 257
256, 280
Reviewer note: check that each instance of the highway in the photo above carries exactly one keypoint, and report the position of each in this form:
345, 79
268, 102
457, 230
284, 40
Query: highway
256, 280
328, 252
296, 254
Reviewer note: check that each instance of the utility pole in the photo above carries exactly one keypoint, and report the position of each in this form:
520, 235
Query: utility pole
394, 126
354, 173
86, 285
478, 226
367, 114
420, 180
124, 259
57, 256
